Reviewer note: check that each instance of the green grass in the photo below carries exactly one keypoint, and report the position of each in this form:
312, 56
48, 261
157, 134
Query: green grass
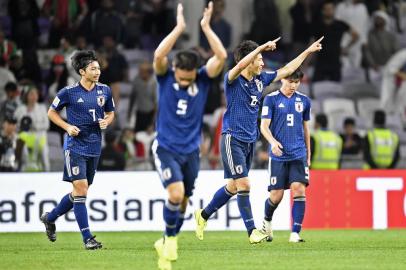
340, 249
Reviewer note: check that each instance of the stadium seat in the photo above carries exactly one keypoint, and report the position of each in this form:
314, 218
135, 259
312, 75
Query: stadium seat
394, 122
122, 112
326, 89
352, 74
355, 90
56, 158
304, 88
337, 109
366, 108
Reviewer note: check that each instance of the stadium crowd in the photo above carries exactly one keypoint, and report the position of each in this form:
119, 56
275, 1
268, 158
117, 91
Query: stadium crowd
357, 83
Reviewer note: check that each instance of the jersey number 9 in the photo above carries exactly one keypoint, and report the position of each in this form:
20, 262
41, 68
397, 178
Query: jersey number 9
290, 119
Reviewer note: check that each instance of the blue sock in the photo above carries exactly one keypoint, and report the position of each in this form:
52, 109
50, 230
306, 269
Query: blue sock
79, 208
244, 205
62, 208
270, 208
171, 216
220, 198
179, 224
298, 211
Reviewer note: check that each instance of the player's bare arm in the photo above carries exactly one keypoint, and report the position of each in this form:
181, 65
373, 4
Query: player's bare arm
216, 63
306, 130
160, 55
108, 119
290, 67
57, 120
236, 71
276, 147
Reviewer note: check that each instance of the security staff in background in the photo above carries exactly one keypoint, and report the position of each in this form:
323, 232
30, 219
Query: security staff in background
381, 145
325, 145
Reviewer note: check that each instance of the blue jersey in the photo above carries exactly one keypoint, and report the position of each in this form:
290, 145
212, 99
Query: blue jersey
84, 109
243, 100
180, 112
287, 116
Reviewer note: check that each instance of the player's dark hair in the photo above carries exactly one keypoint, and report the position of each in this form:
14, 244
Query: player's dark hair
296, 75
379, 118
243, 49
81, 59
186, 60
321, 119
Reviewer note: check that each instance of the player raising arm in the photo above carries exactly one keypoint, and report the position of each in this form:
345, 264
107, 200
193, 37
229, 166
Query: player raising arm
89, 108
243, 87
183, 90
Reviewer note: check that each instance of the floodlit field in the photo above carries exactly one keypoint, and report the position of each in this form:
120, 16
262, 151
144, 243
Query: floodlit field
339, 249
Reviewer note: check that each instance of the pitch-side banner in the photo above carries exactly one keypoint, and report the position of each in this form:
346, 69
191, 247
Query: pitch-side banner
133, 201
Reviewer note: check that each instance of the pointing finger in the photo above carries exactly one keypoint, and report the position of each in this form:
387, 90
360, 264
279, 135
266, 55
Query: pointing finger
320, 39
276, 40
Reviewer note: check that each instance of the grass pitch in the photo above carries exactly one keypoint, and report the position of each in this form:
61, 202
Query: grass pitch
338, 249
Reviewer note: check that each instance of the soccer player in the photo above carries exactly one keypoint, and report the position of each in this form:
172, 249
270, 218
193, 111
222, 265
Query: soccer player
183, 90
285, 125
89, 108
243, 86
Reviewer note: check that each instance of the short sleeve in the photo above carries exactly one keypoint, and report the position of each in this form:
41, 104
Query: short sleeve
268, 77
267, 108
226, 82
109, 106
307, 110
61, 100
161, 78
202, 74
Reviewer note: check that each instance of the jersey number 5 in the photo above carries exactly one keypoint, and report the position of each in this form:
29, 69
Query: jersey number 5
290, 119
182, 107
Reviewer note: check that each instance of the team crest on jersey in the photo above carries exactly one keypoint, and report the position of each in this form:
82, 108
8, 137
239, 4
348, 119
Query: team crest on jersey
101, 100
193, 90
299, 106
260, 86
75, 170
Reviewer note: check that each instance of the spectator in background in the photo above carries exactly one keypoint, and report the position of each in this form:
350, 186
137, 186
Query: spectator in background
5, 76
58, 77
7, 49
382, 44
327, 64
393, 79
219, 25
266, 25
36, 145
352, 142
301, 15
9, 106
325, 145
144, 139
25, 67
105, 21
65, 16
157, 23
381, 145
24, 16
115, 67
143, 98
355, 14
36, 111
111, 159
11, 149
133, 22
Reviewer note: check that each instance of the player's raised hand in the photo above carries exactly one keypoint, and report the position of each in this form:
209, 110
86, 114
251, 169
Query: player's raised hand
73, 131
180, 19
208, 11
316, 46
270, 45
276, 148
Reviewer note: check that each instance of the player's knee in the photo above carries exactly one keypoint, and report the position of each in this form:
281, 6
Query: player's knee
231, 186
298, 189
176, 197
276, 196
243, 185
80, 188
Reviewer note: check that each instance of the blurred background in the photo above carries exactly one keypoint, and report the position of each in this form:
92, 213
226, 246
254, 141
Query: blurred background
357, 82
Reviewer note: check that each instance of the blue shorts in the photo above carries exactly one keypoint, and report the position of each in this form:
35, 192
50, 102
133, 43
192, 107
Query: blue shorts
173, 167
78, 167
284, 173
237, 157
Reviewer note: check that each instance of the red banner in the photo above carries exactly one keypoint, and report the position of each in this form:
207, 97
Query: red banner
356, 199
